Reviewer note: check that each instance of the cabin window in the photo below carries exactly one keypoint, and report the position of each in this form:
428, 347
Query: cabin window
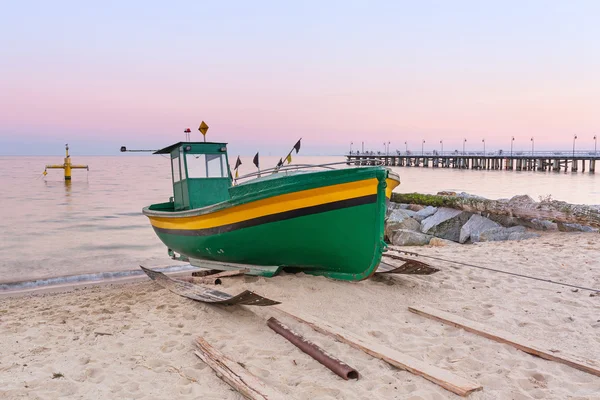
196, 165
206, 166
215, 164
176, 169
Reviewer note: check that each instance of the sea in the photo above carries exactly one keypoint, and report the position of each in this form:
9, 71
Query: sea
50, 228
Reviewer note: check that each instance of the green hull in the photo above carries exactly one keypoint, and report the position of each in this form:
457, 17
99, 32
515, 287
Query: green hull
342, 244
329, 223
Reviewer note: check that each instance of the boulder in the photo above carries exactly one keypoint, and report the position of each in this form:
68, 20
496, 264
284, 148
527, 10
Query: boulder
400, 219
521, 201
403, 237
564, 227
415, 207
497, 234
392, 206
425, 213
446, 193
445, 223
475, 225
540, 224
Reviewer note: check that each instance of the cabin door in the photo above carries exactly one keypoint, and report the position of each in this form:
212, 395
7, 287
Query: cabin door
180, 189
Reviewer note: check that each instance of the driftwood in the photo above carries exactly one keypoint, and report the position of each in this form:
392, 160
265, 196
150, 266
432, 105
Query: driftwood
206, 294
439, 376
234, 374
502, 337
522, 207
212, 279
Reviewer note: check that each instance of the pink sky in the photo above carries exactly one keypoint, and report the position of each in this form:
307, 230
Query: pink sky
349, 73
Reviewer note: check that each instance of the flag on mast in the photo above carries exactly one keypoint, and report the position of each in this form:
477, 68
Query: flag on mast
255, 160
297, 146
289, 158
237, 164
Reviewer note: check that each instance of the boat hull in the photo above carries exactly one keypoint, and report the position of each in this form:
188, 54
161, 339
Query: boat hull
335, 230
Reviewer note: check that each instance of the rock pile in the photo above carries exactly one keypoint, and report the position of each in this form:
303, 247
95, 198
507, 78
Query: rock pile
405, 227
417, 225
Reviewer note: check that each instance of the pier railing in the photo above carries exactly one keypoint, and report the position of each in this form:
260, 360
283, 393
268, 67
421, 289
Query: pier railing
496, 153
520, 161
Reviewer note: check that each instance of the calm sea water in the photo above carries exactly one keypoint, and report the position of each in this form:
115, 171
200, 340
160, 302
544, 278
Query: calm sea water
94, 224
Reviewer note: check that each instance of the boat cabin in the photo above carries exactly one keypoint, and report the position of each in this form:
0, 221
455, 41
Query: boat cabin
200, 173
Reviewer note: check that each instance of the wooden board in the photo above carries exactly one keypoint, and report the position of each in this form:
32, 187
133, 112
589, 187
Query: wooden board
502, 337
439, 376
205, 294
409, 266
234, 374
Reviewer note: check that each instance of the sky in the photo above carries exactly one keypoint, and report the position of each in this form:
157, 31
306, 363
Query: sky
262, 74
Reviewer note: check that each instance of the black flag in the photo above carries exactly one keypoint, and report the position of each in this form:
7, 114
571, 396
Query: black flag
280, 163
297, 146
255, 160
238, 163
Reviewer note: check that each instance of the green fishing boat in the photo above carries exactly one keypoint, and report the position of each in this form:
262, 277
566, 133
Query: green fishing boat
324, 222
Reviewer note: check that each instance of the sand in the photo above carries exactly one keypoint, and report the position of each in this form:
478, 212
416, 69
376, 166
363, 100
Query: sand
136, 340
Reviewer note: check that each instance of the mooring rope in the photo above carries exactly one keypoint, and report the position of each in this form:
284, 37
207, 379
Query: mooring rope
535, 278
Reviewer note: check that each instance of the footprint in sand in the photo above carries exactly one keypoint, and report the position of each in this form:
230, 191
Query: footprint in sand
94, 375
168, 347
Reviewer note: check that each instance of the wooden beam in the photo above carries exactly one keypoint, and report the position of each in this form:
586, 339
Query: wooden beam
502, 337
234, 374
444, 378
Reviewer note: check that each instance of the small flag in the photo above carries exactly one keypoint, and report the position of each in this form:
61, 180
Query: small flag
280, 163
237, 163
203, 128
45, 173
289, 158
297, 146
236, 174
255, 160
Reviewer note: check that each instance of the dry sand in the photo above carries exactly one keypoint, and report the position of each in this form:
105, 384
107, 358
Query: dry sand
136, 340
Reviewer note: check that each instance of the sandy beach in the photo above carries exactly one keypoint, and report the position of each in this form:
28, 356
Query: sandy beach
135, 341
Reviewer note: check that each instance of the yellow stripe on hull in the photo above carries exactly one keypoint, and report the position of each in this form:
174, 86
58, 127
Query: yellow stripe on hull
274, 205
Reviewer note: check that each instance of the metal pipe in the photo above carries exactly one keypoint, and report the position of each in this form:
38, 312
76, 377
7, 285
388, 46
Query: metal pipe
339, 367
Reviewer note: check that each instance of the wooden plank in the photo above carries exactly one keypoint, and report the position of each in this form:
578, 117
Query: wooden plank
439, 376
502, 337
234, 374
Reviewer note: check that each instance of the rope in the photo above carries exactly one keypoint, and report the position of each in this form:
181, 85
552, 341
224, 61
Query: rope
535, 278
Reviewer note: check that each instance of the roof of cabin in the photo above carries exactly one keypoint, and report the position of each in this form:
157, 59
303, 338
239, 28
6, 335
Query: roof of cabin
170, 148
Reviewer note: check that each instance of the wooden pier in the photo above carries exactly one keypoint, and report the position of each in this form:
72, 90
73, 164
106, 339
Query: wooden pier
531, 162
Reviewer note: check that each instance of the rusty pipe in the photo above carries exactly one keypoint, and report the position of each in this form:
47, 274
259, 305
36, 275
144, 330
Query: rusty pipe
339, 367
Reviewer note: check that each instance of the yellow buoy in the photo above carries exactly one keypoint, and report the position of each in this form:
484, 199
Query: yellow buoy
67, 166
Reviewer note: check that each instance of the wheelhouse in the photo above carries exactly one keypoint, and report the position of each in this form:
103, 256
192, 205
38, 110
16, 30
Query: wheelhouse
200, 174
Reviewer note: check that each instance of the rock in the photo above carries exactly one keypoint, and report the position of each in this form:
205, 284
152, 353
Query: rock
540, 225
466, 195
446, 193
391, 206
403, 237
445, 223
504, 220
497, 234
415, 207
476, 224
521, 201
564, 227
400, 219
425, 213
